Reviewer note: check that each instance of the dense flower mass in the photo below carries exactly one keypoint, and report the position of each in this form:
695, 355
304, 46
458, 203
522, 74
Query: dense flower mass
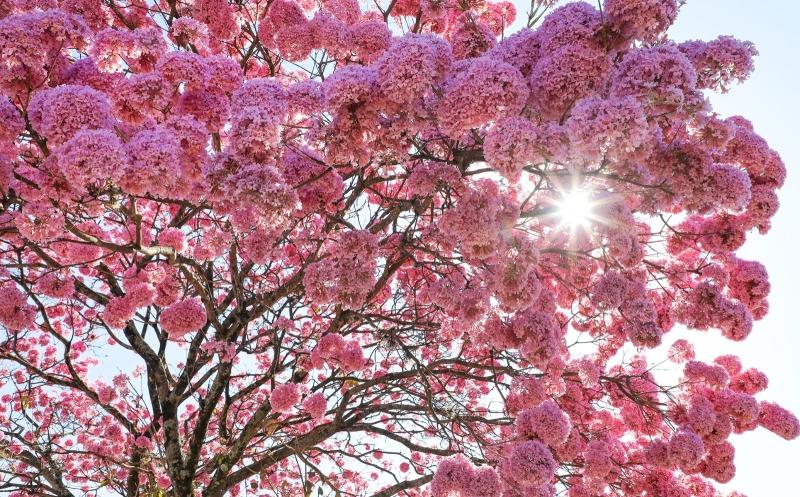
182, 317
342, 248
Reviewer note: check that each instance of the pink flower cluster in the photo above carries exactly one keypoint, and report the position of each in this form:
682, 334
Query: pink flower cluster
284, 397
16, 313
529, 462
512, 277
720, 62
749, 284
515, 142
315, 405
686, 449
779, 420
411, 66
611, 128
456, 476
480, 90
566, 75
661, 76
319, 187
59, 113
547, 422
347, 275
183, 317
705, 307
335, 351
539, 334
597, 459
641, 19
481, 217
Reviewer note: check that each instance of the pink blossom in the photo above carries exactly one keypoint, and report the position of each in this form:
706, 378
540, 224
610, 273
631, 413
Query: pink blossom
16, 313
711, 374
183, 317
40, 221
576, 23
453, 476
661, 76
173, 238
547, 422
731, 363
515, 142
92, 156
749, 150
598, 462
371, 38
224, 74
721, 61
347, 276
566, 75
427, 176
485, 482
528, 463
183, 68
779, 420
56, 285
520, 50
686, 449
11, 122
315, 405
499, 16
304, 97
141, 96
349, 85
331, 33
539, 334
287, 29
681, 351
481, 215
410, 66
218, 15
610, 128
641, 19
336, 351
749, 283
611, 290
471, 38
481, 90
348, 11
319, 187
32, 42
186, 31
153, 156
284, 397
59, 113
763, 205
750, 381
718, 463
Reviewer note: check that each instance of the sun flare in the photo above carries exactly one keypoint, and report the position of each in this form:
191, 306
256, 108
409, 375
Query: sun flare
575, 208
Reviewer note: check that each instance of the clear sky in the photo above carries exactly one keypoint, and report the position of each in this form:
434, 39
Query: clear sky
766, 464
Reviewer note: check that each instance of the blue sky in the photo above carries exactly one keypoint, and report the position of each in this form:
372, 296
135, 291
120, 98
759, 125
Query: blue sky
765, 463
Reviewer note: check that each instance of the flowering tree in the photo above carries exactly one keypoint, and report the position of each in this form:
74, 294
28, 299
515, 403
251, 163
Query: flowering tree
283, 248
